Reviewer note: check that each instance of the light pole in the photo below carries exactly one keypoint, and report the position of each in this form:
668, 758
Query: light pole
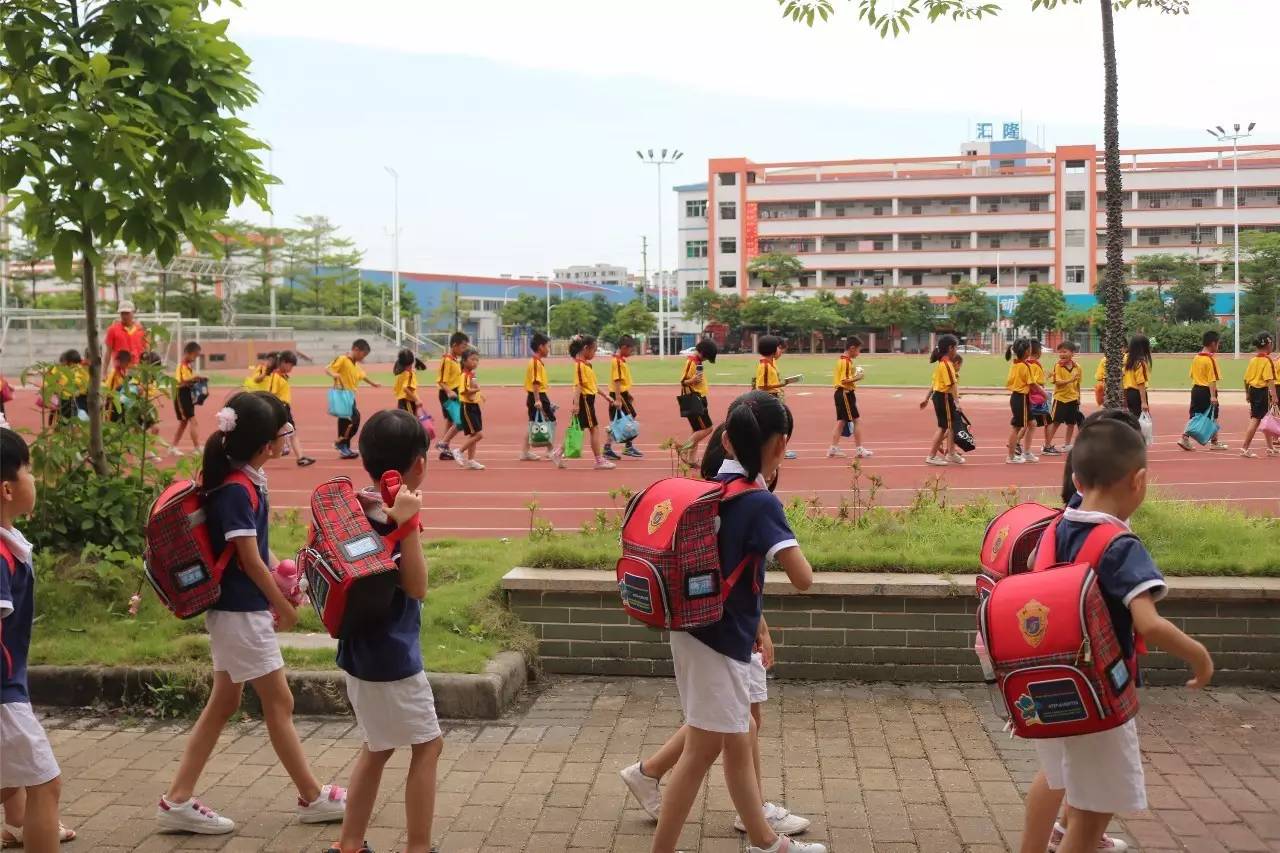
395, 252
661, 159
1234, 138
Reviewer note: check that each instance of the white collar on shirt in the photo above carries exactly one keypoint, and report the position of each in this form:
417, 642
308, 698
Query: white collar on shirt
18, 543
731, 466
256, 475
1090, 517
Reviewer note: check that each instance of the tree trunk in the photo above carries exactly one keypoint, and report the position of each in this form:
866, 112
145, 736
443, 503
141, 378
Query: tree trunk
97, 455
1113, 289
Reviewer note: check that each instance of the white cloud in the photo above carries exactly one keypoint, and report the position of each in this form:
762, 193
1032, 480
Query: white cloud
1212, 66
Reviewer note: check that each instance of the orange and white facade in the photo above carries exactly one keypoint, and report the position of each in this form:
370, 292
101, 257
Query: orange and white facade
925, 223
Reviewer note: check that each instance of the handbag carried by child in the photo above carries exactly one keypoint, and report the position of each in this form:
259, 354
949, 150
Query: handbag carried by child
342, 402
692, 405
453, 411
573, 440
1202, 427
623, 427
1270, 424
1148, 428
542, 432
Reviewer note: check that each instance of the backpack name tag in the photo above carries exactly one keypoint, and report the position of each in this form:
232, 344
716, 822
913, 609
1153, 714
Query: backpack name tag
191, 576
1057, 701
700, 586
635, 592
361, 546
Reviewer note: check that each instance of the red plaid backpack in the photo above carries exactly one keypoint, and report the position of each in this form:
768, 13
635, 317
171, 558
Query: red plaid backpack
1058, 665
350, 572
178, 559
669, 575
1010, 540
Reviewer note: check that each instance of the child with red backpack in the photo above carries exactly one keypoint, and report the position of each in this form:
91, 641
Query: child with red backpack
251, 429
386, 683
713, 663
1101, 773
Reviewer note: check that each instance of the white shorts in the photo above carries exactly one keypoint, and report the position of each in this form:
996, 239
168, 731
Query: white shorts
26, 759
1101, 772
758, 685
394, 714
715, 692
243, 645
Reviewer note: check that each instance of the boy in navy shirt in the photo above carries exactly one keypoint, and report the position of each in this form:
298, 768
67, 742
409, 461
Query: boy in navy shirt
1101, 774
26, 759
386, 682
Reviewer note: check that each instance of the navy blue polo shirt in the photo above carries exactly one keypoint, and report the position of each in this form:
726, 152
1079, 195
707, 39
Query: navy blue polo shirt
393, 649
230, 516
750, 524
1125, 571
17, 610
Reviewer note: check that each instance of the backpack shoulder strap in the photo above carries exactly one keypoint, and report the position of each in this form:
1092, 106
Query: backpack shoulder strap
241, 479
7, 556
1047, 547
737, 488
1098, 541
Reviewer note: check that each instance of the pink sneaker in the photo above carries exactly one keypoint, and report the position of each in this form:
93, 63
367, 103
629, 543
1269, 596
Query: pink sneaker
1107, 842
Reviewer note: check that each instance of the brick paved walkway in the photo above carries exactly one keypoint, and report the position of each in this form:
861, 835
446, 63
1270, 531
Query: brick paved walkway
878, 768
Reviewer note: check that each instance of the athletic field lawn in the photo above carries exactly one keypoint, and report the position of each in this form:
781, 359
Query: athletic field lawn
1170, 372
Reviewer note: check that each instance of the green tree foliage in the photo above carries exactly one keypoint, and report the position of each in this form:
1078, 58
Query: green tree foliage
896, 18
1192, 302
805, 316
1039, 308
118, 125
632, 318
525, 310
761, 312
973, 310
775, 269
699, 305
573, 317
890, 309
922, 316
1159, 269
602, 311
729, 312
854, 309
1146, 314
1260, 270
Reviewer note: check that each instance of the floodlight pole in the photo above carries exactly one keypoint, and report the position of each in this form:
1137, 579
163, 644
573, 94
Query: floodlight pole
660, 160
1235, 137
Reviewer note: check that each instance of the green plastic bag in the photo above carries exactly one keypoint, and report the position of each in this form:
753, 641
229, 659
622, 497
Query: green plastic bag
573, 440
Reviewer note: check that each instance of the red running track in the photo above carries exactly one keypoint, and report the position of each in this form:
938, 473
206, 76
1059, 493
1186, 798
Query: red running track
494, 502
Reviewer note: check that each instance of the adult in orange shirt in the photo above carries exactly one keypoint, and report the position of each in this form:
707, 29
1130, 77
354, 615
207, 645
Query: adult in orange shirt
124, 334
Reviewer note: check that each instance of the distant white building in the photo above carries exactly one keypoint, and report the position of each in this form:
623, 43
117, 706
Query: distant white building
600, 275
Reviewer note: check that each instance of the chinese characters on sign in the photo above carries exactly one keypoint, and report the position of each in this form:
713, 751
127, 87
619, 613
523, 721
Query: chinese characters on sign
1010, 130
751, 229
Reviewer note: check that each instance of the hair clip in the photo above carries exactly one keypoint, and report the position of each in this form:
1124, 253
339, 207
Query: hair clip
226, 419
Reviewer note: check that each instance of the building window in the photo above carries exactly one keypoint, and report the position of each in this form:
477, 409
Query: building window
841, 280
1075, 199
839, 211
728, 281
957, 242
1197, 202
1075, 167
1034, 206
916, 209
917, 278
877, 211
1035, 242
695, 284
728, 245
695, 249
728, 179
804, 212
1033, 277
1074, 237
878, 279
995, 242
917, 245
877, 245
1075, 275
955, 278
840, 245
804, 280
696, 209
728, 210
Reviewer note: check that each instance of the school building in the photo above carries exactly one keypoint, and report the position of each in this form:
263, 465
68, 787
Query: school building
1000, 210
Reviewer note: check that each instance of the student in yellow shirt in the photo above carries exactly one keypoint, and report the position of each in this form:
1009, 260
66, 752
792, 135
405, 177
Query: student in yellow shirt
1204, 387
693, 383
405, 386
346, 373
472, 418
1019, 385
286, 361
1137, 373
1260, 387
845, 382
448, 384
184, 400
1100, 381
259, 378
620, 396
116, 382
1042, 417
944, 389
1066, 376
585, 389
70, 379
537, 404
771, 348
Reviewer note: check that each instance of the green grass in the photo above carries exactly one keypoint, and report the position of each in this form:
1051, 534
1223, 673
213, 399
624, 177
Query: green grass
1185, 539
82, 612
1170, 372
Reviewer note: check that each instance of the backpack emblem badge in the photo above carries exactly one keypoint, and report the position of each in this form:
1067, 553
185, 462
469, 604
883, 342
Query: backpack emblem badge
660, 514
1033, 620
1001, 535
1027, 709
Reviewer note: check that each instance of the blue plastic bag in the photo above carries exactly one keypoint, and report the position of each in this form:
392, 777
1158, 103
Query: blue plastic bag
453, 410
623, 428
1202, 427
341, 402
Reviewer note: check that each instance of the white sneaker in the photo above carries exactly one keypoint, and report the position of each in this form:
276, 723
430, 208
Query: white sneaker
1219, 445
936, 460
1028, 456
790, 845
1107, 842
191, 816
956, 458
530, 457
604, 465
175, 451
1185, 443
329, 807
863, 453
780, 821
557, 456
833, 452
459, 458
1014, 460
644, 788
473, 465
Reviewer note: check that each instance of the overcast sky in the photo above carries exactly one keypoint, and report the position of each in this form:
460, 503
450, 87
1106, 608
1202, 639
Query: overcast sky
513, 123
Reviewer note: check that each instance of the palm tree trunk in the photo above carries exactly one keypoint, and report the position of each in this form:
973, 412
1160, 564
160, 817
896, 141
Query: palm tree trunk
97, 455
1113, 278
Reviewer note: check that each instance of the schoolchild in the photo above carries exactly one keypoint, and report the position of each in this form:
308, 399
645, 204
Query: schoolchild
694, 381
620, 400
1066, 376
944, 389
1019, 384
1260, 390
713, 664
386, 682
184, 401
405, 386
286, 361
536, 402
448, 383
582, 348
1204, 387
242, 640
1137, 373
1101, 774
845, 382
347, 374
472, 417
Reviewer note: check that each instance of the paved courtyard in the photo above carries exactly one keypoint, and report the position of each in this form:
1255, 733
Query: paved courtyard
880, 768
